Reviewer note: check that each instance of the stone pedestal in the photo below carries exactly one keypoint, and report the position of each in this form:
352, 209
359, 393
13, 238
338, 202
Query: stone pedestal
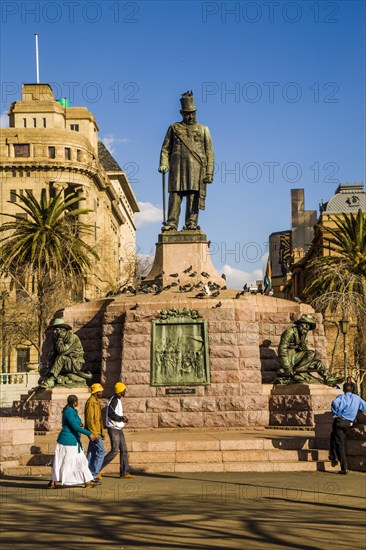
46, 407
16, 439
356, 444
117, 338
300, 404
356, 438
178, 250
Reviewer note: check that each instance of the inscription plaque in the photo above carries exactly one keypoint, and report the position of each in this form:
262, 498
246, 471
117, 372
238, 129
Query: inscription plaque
180, 391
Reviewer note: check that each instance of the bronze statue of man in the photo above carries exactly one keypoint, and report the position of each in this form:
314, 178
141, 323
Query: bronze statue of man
297, 361
188, 155
66, 360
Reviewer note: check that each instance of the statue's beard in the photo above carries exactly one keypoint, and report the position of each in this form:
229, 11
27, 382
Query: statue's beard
62, 343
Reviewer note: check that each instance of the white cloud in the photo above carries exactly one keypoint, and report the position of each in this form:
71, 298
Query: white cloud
236, 278
149, 213
4, 120
111, 142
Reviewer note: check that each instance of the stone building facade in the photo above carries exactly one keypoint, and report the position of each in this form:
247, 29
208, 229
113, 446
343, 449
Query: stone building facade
54, 147
310, 241
286, 245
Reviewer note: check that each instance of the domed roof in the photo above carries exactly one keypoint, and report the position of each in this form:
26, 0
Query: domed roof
347, 199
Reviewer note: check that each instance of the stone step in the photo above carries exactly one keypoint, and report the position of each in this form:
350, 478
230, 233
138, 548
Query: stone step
163, 456
40, 459
301, 446
47, 444
171, 467
207, 456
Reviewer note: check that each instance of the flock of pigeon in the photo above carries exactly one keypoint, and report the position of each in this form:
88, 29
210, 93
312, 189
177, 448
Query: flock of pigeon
205, 288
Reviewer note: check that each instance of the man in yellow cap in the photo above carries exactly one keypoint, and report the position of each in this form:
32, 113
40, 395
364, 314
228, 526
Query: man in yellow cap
115, 424
93, 422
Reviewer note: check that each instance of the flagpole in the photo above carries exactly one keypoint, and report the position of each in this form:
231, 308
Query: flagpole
37, 61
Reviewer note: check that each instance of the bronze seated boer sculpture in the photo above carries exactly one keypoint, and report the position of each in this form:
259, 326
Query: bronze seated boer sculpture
298, 362
66, 360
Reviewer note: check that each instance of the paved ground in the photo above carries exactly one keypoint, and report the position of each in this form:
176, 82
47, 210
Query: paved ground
305, 511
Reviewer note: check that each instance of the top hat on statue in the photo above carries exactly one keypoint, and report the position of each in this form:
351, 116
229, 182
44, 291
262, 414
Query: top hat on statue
187, 102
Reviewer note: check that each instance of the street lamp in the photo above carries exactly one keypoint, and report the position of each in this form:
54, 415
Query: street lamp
3, 296
343, 325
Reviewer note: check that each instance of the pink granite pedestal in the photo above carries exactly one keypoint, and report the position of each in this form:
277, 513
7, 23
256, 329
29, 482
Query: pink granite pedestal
178, 250
46, 406
299, 404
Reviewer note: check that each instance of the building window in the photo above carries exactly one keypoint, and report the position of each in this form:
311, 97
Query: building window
24, 122
52, 152
21, 150
34, 123
44, 123
52, 190
67, 153
23, 356
13, 197
74, 127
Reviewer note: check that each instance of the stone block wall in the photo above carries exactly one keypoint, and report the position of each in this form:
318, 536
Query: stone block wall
356, 439
243, 335
356, 444
45, 408
301, 405
16, 439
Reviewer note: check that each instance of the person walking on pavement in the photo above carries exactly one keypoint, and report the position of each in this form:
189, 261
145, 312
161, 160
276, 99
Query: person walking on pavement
93, 422
345, 408
70, 466
115, 423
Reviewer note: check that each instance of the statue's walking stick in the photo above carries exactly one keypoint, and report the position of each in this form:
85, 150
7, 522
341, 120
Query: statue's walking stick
32, 393
164, 200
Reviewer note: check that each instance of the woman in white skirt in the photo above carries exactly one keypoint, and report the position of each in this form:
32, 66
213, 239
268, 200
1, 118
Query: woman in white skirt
70, 466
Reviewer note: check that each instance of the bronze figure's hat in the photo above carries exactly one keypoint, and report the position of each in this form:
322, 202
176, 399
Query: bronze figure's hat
309, 319
187, 102
60, 323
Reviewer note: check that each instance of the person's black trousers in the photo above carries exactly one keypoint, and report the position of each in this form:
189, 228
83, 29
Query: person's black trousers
338, 441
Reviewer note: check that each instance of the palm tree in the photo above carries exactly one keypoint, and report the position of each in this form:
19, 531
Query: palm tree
345, 268
45, 250
337, 282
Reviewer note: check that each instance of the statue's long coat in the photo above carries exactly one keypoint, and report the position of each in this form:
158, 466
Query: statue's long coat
188, 153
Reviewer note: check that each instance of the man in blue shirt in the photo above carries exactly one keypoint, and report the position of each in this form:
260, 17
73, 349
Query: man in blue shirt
344, 410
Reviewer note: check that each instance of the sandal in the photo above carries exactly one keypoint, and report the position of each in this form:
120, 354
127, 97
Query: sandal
90, 484
52, 485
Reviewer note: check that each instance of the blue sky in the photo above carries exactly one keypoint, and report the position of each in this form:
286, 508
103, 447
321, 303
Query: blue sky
281, 86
